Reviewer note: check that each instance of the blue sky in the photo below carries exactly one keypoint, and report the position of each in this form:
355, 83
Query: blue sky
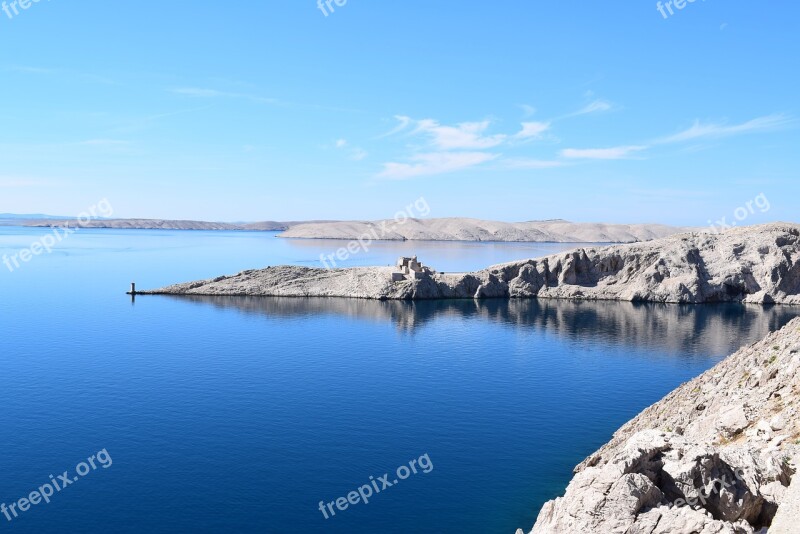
508, 110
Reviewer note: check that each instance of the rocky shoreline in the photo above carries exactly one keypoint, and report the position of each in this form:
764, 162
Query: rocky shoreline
717, 455
758, 264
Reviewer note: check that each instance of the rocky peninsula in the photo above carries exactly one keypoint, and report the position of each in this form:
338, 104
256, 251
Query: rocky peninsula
757, 264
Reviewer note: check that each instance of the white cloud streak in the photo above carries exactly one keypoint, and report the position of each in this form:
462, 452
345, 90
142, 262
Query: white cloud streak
697, 131
354, 153
701, 130
597, 106
527, 163
435, 163
200, 92
404, 122
620, 152
533, 130
463, 136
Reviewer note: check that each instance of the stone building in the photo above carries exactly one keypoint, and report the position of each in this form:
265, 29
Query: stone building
409, 269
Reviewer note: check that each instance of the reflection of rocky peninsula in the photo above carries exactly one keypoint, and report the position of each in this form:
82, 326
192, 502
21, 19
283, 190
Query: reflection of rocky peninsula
706, 330
759, 264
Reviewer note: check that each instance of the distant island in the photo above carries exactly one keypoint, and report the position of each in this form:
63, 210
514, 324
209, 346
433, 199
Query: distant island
447, 229
148, 224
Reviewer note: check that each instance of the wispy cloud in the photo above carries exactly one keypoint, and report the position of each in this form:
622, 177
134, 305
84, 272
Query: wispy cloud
353, 152
701, 130
403, 123
208, 93
527, 163
199, 92
533, 130
143, 123
697, 131
596, 106
435, 163
620, 152
202, 92
527, 110
463, 136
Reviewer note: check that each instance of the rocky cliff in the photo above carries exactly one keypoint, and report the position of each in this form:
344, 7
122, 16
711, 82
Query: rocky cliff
717, 455
759, 264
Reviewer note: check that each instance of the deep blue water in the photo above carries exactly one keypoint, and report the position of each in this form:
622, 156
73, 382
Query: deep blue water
242, 414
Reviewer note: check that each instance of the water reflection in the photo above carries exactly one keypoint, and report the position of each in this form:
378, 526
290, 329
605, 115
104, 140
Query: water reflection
714, 329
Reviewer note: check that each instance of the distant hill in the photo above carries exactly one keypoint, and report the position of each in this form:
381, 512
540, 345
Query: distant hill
463, 229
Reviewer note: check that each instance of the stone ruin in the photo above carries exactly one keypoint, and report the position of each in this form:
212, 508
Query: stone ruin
410, 269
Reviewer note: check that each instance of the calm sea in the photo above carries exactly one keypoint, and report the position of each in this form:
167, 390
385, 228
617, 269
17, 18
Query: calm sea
243, 414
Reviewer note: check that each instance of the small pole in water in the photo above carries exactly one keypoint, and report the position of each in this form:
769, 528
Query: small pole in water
133, 288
